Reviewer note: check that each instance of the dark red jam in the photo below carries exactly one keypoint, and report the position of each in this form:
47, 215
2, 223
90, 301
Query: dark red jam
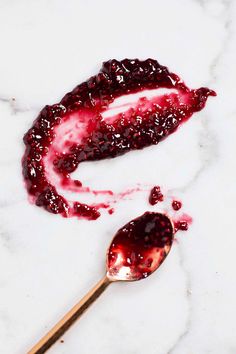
86, 211
176, 205
140, 247
79, 128
155, 195
182, 223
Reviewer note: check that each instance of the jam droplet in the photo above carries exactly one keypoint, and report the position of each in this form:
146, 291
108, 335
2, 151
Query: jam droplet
176, 205
75, 130
183, 223
140, 247
86, 211
155, 195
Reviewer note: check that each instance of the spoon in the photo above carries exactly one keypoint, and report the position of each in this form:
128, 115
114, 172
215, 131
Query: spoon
135, 252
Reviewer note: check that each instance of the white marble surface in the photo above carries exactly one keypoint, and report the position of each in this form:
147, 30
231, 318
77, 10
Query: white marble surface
47, 262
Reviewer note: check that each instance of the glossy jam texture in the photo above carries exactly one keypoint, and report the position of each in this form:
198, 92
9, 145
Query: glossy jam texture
155, 195
75, 130
140, 246
182, 223
176, 205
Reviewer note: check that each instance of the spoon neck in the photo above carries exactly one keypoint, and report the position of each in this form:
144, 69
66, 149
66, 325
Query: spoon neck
101, 285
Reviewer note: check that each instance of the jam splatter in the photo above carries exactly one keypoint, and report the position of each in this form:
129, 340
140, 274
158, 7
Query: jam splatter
140, 246
80, 128
176, 205
156, 195
182, 223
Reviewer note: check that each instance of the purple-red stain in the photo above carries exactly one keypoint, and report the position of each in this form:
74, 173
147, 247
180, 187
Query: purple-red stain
145, 124
141, 245
176, 205
155, 195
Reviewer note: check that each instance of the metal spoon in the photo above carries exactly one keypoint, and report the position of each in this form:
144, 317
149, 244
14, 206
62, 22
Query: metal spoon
135, 252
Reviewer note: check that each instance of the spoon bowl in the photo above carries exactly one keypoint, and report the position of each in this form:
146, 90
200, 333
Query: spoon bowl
139, 247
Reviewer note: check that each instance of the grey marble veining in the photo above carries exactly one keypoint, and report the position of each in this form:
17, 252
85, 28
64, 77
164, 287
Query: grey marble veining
47, 262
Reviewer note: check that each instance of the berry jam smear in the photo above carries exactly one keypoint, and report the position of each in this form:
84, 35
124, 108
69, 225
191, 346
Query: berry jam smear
140, 247
79, 128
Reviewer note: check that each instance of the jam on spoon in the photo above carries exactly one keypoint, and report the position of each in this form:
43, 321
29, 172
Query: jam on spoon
140, 247
136, 251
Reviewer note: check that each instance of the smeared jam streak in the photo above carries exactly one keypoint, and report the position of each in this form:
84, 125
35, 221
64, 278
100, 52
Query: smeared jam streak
80, 129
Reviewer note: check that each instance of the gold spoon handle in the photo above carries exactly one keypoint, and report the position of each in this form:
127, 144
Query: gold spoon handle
63, 325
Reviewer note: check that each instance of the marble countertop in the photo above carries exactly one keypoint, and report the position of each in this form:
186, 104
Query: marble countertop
47, 262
